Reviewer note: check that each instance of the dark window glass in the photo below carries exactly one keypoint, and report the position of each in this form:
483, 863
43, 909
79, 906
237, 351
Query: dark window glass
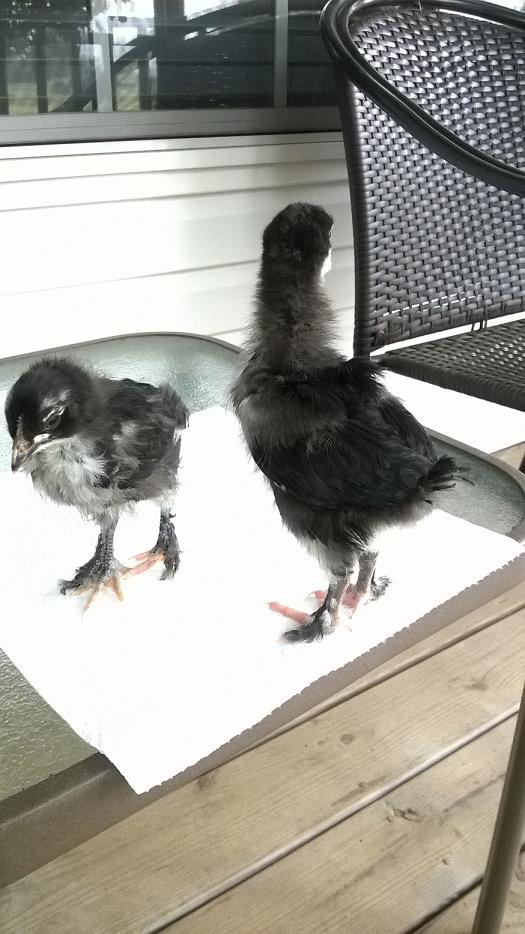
310, 69
132, 55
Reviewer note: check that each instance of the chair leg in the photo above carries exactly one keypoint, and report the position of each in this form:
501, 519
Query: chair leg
507, 838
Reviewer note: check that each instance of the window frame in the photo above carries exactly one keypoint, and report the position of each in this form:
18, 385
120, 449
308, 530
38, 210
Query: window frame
165, 124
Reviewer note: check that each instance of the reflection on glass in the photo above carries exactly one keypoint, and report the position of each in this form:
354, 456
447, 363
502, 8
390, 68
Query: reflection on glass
310, 69
129, 55
45, 59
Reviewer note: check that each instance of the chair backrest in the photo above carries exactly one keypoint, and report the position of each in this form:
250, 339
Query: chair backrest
434, 248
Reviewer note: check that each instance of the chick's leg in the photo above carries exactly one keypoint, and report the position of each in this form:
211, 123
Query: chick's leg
166, 549
102, 570
367, 586
325, 618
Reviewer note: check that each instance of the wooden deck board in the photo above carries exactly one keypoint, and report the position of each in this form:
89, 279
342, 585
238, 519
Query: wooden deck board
386, 868
459, 918
195, 843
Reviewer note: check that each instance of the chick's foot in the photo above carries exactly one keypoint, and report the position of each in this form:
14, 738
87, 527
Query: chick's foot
313, 627
101, 571
166, 549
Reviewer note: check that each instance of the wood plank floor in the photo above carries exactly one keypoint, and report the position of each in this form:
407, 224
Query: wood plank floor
371, 814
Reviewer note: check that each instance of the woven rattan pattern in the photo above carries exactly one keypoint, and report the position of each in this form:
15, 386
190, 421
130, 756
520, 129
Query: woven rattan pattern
489, 364
435, 248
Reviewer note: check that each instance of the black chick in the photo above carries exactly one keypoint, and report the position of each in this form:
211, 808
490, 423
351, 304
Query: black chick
343, 457
100, 445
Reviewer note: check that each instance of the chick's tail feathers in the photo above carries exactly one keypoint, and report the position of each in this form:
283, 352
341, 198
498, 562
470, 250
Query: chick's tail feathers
443, 475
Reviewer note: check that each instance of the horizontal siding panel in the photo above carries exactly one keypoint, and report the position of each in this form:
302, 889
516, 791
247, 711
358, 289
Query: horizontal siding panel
101, 164
124, 147
57, 247
151, 185
212, 301
100, 240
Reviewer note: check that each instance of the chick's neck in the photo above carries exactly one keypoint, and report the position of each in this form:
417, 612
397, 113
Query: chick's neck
294, 323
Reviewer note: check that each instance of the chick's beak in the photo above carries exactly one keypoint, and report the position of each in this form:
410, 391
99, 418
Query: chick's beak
22, 450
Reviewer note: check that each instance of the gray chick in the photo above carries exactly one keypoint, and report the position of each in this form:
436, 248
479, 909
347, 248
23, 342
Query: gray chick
100, 445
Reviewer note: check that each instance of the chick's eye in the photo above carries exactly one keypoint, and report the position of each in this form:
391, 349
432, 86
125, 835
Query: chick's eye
53, 420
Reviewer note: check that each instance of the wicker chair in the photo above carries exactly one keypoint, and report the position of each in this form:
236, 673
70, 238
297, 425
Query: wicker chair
432, 100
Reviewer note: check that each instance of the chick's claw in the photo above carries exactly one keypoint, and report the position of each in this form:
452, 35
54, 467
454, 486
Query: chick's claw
113, 583
148, 559
297, 616
312, 626
92, 577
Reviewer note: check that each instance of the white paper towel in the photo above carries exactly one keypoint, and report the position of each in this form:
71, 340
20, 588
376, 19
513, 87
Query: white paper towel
484, 425
179, 668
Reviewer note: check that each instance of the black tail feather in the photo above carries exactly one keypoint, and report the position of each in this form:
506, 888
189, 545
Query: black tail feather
444, 474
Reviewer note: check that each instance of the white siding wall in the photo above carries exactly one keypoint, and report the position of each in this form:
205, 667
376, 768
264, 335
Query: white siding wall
98, 240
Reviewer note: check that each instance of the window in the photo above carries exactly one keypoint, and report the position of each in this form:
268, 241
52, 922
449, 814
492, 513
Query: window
73, 69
